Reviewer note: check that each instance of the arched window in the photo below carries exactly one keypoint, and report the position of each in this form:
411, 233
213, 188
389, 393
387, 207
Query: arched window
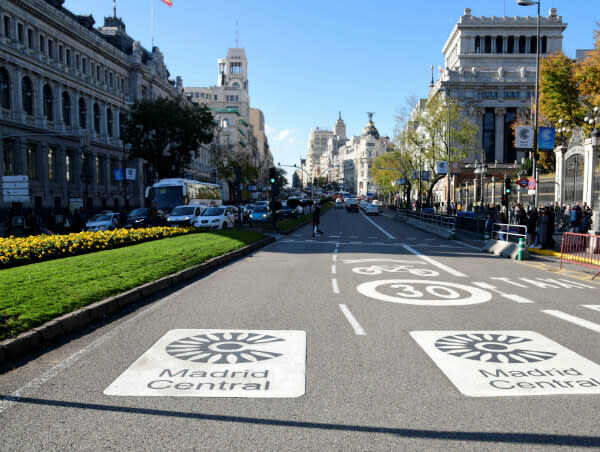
499, 44
66, 108
510, 44
96, 118
109, 122
532, 44
48, 101
544, 48
27, 94
82, 114
487, 44
4, 88
235, 85
522, 44
477, 44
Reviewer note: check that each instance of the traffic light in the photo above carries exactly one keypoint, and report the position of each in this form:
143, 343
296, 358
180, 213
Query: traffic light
507, 185
272, 175
504, 200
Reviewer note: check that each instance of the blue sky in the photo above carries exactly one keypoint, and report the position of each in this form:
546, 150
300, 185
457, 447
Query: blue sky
308, 60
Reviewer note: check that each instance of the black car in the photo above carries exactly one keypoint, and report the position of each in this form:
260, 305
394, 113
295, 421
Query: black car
141, 218
352, 204
287, 212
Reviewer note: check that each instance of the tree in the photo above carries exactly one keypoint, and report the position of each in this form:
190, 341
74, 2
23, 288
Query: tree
559, 93
587, 75
167, 133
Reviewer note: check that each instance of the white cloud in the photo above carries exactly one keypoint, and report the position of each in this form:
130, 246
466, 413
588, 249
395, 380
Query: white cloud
278, 136
284, 134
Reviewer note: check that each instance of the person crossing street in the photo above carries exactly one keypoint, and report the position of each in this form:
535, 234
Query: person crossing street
316, 220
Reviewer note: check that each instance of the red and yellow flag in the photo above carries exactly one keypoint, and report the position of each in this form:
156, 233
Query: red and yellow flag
168, 2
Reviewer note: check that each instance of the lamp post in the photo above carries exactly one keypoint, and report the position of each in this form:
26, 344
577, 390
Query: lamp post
595, 136
537, 81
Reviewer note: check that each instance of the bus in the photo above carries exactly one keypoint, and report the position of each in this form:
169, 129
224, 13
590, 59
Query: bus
169, 193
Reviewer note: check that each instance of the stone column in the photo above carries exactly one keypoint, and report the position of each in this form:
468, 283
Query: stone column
38, 101
493, 201
499, 134
559, 187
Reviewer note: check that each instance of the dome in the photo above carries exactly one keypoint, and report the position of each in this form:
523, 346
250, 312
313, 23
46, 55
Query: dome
370, 129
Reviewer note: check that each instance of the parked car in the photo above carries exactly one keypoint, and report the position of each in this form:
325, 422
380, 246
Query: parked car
287, 212
222, 217
140, 218
352, 205
105, 221
184, 215
260, 214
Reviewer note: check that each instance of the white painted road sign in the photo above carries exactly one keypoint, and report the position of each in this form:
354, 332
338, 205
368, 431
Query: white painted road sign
508, 363
218, 363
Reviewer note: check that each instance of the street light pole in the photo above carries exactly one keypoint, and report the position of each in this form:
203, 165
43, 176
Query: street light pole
537, 81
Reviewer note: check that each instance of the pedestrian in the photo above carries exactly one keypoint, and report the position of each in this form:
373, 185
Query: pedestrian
316, 219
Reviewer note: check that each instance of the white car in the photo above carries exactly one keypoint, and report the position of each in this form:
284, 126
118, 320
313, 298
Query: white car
222, 217
372, 209
184, 215
105, 221
363, 204
339, 204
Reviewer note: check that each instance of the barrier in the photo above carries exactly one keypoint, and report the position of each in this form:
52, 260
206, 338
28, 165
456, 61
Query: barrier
581, 249
509, 232
432, 218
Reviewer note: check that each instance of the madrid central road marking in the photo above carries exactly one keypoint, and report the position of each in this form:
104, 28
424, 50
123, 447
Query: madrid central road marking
218, 363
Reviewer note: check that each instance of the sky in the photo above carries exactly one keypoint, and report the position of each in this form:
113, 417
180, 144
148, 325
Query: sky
310, 60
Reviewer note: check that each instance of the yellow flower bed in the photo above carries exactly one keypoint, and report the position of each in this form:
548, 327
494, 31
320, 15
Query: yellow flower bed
25, 250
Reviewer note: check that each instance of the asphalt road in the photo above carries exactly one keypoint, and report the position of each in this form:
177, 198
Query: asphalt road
375, 336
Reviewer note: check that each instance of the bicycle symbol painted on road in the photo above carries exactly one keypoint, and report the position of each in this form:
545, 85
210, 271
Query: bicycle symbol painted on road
379, 269
423, 292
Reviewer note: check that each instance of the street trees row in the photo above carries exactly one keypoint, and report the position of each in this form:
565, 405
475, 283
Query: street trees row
421, 140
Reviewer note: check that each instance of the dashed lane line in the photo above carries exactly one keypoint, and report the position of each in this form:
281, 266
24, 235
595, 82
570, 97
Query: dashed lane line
433, 262
388, 235
334, 286
508, 296
358, 330
573, 319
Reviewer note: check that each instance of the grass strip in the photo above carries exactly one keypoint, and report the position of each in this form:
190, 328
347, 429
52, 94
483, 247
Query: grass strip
33, 294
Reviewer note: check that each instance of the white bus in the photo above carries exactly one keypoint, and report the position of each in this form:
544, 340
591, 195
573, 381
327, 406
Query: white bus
169, 193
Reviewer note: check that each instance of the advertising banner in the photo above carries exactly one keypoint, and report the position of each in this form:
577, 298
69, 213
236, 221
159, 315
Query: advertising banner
546, 138
524, 137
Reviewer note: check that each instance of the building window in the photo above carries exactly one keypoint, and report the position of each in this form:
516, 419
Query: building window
77, 61
27, 95
50, 48
30, 38
82, 114
51, 163
105, 76
68, 57
42, 45
544, 44
510, 44
110, 79
487, 44
48, 101
499, 44
522, 44
96, 118
7, 26
32, 162
66, 108
9, 158
235, 68
98, 72
69, 166
21, 33
532, 44
489, 134
60, 54
109, 122
509, 137
84, 65
477, 44
4, 88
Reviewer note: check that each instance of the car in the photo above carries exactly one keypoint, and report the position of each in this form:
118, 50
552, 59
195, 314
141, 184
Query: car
184, 215
261, 203
222, 217
352, 205
245, 212
260, 214
105, 221
141, 218
339, 204
287, 212
363, 204
372, 209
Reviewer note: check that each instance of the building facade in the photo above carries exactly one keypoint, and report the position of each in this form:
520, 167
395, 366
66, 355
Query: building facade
65, 87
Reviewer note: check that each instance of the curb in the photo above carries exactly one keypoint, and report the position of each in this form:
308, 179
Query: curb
545, 252
37, 338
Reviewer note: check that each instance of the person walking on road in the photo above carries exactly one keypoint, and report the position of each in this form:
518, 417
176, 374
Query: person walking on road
316, 220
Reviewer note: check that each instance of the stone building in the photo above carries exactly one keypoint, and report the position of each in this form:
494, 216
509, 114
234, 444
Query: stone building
64, 88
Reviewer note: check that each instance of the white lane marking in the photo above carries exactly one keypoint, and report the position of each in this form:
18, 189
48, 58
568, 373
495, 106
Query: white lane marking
410, 238
371, 237
334, 258
571, 318
509, 296
334, 284
334, 236
430, 240
31, 386
333, 269
595, 307
353, 322
434, 262
468, 245
389, 236
506, 280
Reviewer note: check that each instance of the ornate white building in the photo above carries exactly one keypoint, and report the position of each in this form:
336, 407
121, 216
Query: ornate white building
64, 87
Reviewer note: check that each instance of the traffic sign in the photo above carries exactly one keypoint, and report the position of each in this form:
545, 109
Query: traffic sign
15, 188
532, 184
523, 182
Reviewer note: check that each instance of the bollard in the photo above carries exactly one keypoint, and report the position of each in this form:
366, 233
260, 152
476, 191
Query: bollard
521, 252
453, 232
486, 236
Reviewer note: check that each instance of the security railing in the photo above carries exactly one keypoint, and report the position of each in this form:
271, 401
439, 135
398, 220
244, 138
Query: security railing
581, 249
509, 232
432, 218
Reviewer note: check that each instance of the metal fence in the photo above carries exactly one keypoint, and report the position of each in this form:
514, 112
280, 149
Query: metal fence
432, 218
581, 249
509, 232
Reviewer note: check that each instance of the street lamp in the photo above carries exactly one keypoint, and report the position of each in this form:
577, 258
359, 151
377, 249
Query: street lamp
595, 136
537, 81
